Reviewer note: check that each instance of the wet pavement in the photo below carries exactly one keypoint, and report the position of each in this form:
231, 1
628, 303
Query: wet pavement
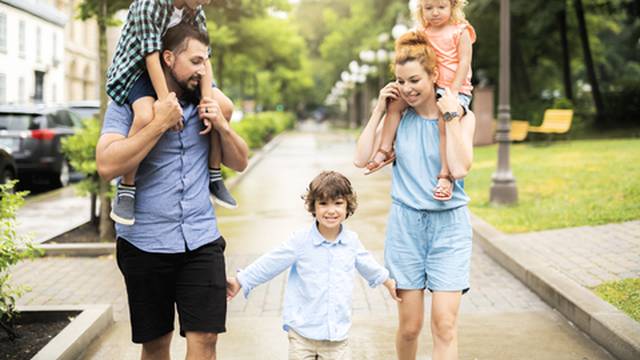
500, 318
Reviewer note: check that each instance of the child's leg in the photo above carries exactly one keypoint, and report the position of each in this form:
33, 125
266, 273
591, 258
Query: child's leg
216, 184
384, 154
123, 210
444, 186
300, 348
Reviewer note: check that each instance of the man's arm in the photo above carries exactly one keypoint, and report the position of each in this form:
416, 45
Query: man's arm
235, 152
117, 155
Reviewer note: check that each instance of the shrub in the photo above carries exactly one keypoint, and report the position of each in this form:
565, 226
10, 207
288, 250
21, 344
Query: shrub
13, 248
80, 149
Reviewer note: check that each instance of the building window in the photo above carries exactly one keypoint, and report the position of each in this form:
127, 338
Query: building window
3, 89
3, 32
38, 44
21, 38
21, 96
54, 51
38, 95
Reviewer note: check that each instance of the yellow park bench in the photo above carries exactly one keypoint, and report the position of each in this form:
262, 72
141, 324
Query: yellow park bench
555, 121
519, 129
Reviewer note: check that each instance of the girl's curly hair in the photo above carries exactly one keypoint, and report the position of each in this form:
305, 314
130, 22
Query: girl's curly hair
330, 185
457, 12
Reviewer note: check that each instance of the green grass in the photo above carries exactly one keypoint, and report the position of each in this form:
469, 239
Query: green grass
566, 184
623, 294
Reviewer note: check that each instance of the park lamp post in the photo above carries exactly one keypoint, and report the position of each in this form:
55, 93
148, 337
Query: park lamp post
503, 188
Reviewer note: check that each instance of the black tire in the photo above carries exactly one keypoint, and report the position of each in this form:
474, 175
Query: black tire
6, 175
62, 176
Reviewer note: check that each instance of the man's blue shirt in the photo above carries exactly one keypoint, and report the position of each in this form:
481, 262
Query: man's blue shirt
173, 211
317, 302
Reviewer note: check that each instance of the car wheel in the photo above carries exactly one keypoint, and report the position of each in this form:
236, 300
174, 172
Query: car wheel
6, 175
61, 178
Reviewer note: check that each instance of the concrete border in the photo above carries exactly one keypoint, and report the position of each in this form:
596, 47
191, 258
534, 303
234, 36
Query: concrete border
108, 248
73, 340
608, 326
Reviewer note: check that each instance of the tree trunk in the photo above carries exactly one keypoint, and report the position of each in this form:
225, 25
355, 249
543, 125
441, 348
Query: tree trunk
588, 63
106, 225
566, 58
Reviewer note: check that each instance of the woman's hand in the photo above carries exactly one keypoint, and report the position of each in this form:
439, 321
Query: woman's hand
449, 102
388, 94
233, 286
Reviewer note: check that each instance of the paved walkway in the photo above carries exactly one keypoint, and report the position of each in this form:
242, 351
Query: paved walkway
501, 318
589, 255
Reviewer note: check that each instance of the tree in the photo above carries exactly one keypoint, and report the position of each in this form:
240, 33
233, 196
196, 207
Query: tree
103, 11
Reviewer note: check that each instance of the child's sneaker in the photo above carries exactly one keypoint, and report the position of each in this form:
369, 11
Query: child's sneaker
219, 191
124, 205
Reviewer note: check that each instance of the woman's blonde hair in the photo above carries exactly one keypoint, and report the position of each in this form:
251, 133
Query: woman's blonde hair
457, 12
414, 46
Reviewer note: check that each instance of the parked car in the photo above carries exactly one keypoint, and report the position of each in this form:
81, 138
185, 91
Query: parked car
32, 133
85, 108
8, 169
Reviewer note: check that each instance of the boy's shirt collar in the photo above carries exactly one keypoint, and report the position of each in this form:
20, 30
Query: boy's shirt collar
317, 238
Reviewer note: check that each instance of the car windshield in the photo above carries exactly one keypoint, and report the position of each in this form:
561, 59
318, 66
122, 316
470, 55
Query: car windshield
20, 122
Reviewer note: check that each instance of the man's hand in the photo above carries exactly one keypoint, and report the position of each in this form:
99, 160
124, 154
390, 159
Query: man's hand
168, 112
209, 109
390, 284
233, 286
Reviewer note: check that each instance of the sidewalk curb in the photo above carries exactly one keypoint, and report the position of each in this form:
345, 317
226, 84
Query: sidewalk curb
608, 326
74, 339
105, 248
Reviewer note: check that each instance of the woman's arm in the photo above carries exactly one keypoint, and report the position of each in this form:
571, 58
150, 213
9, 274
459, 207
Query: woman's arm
459, 138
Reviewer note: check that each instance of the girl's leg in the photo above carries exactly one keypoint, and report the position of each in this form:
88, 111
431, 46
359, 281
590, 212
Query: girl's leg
444, 186
392, 120
411, 317
123, 211
444, 324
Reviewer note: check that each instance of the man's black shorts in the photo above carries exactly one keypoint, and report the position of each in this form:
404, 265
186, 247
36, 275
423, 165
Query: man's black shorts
194, 282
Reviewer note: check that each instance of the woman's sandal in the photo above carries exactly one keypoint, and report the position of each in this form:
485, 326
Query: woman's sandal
372, 166
441, 193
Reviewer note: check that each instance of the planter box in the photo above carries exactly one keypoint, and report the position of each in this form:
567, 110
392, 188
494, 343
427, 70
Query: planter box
69, 344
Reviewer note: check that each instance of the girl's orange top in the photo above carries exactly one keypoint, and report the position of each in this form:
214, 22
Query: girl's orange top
445, 43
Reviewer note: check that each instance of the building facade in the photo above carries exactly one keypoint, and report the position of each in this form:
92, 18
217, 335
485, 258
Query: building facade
81, 54
32, 52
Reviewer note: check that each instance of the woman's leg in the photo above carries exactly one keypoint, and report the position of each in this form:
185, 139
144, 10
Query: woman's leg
411, 317
444, 324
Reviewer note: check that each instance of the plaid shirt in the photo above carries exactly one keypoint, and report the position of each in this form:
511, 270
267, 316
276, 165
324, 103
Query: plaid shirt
147, 22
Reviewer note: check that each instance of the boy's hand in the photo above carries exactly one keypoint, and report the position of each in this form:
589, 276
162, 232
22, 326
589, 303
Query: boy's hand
390, 284
207, 123
209, 109
168, 112
233, 286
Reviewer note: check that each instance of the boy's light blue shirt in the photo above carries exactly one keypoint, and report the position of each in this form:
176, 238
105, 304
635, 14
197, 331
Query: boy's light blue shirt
317, 303
173, 210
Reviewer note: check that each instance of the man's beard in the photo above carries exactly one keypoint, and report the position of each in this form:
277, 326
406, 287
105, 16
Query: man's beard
185, 85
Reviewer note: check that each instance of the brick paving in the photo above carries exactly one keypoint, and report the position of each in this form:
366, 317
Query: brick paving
499, 310
589, 255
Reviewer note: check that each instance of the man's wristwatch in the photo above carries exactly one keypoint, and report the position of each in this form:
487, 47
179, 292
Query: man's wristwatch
450, 115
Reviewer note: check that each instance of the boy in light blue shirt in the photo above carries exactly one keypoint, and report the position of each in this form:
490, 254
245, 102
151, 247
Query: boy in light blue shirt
322, 257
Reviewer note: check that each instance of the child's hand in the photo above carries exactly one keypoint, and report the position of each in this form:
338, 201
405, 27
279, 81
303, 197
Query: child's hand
208, 125
390, 284
233, 286
209, 109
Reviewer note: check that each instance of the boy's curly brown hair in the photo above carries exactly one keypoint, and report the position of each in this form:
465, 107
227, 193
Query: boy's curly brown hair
330, 185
